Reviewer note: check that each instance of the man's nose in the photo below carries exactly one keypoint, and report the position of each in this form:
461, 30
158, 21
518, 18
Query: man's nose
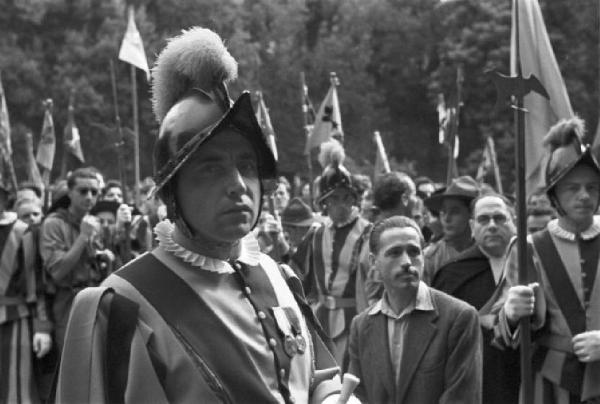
583, 193
405, 261
235, 183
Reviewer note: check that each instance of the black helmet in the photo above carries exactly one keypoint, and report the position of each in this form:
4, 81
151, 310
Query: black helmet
334, 176
191, 74
172, 149
566, 150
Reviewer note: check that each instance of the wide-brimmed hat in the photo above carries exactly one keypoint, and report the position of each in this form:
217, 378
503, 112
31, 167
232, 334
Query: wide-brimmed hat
464, 188
297, 213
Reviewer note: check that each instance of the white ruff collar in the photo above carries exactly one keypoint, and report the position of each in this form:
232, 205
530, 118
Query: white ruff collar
587, 234
249, 251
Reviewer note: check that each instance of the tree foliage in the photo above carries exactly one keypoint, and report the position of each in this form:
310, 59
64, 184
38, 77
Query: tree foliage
392, 58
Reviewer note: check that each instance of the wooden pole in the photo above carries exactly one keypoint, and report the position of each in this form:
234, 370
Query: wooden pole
305, 112
136, 136
119, 131
525, 346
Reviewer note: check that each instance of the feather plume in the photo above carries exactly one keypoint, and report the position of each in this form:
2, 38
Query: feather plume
195, 59
564, 133
331, 152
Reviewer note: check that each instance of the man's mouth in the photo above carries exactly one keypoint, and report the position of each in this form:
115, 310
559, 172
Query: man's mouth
238, 210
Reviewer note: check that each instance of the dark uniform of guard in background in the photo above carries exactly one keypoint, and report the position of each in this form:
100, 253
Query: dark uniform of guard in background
334, 260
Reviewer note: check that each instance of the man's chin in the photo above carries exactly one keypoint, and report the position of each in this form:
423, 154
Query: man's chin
234, 232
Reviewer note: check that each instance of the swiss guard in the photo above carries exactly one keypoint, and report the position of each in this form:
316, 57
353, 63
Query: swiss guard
204, 317
564, 296
335, 256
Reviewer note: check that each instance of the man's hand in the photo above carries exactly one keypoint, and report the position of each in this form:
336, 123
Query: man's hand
587, 346
89, 226
520, 302
124, 214
106, 254
42, 342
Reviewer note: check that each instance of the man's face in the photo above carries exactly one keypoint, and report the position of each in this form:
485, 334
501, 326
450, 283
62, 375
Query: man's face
114, 194
106, 219
399, 259
537, 222
281, 197
30, 212
83, 195
339, 205
454, 217
294, 234
218, 188
418, 214
577, 194
492, 225
539, 201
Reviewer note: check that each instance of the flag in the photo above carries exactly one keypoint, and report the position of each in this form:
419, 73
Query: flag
132, 47
264, 120
537, 57
33, 172
489, 164
47, 145
486, 165
381, 161
328, 122
307, 107
5, 143
71, 134
447, 123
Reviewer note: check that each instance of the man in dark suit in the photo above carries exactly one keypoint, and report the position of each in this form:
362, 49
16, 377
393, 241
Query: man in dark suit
476, 277
415, 345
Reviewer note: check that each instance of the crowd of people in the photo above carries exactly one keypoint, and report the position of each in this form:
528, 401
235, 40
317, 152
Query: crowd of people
228, 284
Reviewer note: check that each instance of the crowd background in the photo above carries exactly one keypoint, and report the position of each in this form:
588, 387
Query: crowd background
392, 59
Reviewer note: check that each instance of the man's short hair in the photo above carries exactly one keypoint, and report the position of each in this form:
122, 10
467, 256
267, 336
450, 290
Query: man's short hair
389, 188
112, 184
32, 186
393, 222
84, 172
507, 202
24, 201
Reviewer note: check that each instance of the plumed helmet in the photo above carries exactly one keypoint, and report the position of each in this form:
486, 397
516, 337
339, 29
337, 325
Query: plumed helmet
564, 144
190, 76
334, 175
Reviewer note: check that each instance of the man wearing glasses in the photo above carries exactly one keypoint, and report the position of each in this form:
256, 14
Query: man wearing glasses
66, 245
474, 276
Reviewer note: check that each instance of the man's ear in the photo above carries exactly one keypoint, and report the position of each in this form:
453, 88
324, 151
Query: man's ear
472, 225
372, 259
405, 199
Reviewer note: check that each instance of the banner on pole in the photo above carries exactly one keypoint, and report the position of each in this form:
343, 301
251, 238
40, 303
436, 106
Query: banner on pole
132, 47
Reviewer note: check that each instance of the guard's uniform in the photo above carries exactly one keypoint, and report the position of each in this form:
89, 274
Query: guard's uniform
336, 270
569, 303
22, 310
264, 350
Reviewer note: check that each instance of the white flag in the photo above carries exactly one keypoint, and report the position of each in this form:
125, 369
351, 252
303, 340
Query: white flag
132, 47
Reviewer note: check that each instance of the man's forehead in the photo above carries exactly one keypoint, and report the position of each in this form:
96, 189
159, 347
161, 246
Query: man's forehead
399, 236
490, 203
86, 181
